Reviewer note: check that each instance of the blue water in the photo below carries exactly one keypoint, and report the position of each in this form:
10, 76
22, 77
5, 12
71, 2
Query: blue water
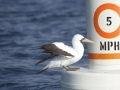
28, 23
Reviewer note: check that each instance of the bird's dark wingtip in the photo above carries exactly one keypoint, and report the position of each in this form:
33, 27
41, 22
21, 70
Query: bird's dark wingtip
44, 59
39, 62
36, 63
41, 71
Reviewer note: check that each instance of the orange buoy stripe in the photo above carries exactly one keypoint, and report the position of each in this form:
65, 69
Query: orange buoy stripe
108, 56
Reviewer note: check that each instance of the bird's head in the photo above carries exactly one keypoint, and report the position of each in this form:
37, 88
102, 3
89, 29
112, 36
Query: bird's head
81, 38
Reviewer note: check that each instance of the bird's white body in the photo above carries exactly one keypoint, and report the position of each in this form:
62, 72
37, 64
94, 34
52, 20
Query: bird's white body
77, 51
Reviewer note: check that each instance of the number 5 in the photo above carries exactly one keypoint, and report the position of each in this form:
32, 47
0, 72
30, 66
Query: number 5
109, 21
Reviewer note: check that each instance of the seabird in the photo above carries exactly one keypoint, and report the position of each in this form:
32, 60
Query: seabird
63, 55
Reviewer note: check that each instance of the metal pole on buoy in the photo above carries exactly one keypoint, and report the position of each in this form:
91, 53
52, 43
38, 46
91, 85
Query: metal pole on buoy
103, 27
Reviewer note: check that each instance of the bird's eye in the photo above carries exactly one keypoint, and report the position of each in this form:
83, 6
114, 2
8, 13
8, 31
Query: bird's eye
82, 39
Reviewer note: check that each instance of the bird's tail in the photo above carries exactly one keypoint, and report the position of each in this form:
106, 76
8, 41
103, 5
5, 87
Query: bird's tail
44, 69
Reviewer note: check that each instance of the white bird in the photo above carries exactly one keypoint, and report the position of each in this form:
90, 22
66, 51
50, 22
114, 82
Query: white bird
64, 55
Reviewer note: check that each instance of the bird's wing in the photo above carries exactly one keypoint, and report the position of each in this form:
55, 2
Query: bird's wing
44, 59
66, 49
58, 49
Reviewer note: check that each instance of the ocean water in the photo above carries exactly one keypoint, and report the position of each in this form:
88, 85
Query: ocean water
28, 23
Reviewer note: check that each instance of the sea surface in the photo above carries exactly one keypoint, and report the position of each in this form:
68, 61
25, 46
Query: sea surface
28, 23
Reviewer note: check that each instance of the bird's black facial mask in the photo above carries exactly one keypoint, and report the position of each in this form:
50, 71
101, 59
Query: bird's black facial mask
82, 39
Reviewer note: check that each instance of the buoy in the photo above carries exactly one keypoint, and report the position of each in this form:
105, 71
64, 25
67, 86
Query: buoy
87, 79
103, 72
103, 27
